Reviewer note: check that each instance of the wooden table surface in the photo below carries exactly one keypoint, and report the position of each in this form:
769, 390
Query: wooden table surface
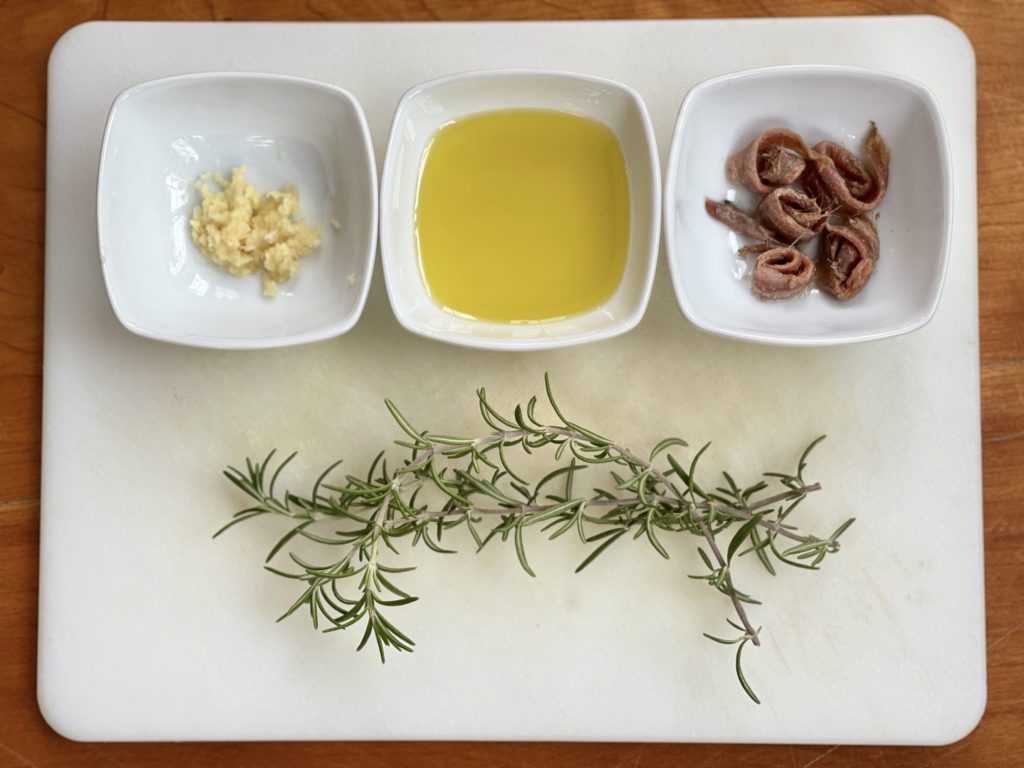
28, 29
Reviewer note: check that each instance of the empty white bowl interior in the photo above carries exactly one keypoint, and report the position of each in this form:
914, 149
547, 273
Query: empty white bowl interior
724, 117
163, 136
427, 109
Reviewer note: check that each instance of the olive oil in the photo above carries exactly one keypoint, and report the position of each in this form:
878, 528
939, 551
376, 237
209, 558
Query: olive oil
522, 215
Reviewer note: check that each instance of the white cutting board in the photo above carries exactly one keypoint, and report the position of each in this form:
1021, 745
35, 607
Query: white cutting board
148, 629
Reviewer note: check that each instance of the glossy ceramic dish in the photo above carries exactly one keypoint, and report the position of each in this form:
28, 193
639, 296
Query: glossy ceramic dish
722, 115
427, 107
162, 135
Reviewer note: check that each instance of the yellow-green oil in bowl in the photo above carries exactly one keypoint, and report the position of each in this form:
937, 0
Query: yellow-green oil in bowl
522, 215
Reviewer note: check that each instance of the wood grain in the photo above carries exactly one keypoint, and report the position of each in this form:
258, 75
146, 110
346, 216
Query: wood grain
28, 29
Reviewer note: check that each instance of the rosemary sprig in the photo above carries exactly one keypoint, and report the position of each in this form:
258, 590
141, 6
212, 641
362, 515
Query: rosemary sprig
445, 482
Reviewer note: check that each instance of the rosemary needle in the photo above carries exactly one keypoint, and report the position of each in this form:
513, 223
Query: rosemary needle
447, 481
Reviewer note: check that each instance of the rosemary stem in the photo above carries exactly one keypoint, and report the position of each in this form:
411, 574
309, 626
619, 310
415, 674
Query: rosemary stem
631, 458
744, 513
465, 480
436, 450
737, 605
570, 434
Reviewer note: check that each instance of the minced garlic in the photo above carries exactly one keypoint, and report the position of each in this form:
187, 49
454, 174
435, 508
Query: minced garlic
244, 232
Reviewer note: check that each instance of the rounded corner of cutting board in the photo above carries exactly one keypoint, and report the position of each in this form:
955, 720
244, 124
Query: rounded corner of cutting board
63, 719
67, 40
964, 720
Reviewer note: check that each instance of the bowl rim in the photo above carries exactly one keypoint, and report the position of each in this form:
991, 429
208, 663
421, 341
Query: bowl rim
676, 271
649, 259
225, 342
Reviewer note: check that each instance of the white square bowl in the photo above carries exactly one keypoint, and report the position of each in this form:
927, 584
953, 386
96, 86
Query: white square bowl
161, 135
427, 107
722, 115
